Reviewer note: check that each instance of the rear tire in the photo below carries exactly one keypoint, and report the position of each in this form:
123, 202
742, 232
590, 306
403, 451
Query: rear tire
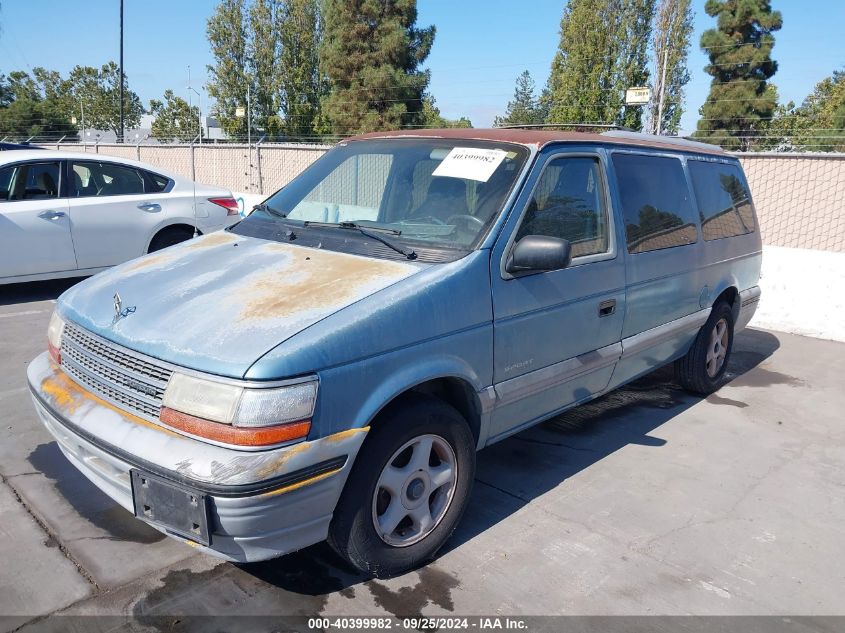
702, 370
169, 237
407, 490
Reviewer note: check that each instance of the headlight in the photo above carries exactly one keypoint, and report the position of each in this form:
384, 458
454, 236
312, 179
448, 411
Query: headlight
54, 337
238, 415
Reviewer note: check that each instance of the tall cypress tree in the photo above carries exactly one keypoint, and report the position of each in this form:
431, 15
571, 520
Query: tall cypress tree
670, 42
371, 53
227, 35
603, 50
580, 82
633, 33
301, 83
740, 48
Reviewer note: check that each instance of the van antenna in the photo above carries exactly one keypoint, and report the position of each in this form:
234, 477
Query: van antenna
194, 183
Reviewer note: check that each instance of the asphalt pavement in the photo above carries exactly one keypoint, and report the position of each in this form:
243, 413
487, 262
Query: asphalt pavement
649, 501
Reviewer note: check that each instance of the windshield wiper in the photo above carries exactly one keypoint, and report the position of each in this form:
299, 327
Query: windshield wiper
407, 252
268, 209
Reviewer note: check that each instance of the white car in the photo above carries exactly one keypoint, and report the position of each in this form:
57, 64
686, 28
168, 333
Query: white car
68, 214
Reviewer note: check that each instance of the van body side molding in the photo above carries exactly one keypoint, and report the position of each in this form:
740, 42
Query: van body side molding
534, 382
656, 335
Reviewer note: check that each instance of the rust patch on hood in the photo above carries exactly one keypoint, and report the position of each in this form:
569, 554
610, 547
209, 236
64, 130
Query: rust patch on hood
314, 279
212, 239
205, 241
149, 260
67, 396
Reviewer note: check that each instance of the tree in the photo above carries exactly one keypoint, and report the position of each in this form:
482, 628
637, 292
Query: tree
272, 47
740, 48
524, 109
670, 43
227, 85
433, 119
371, 53
633, 33
603, 50
580, 81
174, 119
818, 124
34, 107
6, 95
98, 92
263, 63
302, 85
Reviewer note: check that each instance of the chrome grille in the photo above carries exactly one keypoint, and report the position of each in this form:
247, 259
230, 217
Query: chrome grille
126, 379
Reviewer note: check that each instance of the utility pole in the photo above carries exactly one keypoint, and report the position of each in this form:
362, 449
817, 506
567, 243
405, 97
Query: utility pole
120, 136
662, 89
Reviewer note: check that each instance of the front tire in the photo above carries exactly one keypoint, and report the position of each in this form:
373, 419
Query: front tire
702, 370
407, 490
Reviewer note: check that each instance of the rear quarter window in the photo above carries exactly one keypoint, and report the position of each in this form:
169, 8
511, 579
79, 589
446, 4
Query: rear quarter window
656, 202
724, 202
156, 183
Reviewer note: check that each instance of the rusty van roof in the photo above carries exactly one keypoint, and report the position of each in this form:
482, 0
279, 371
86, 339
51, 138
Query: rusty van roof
540, 138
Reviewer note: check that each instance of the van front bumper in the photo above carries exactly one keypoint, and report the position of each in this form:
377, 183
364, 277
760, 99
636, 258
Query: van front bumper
261, 504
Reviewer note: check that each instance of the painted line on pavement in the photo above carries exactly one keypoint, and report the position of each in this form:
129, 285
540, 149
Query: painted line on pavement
21, 313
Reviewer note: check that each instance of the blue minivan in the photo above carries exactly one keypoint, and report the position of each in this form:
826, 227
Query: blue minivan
328, 367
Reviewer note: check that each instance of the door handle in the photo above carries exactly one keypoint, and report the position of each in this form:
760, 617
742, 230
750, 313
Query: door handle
606, 308
51, 215
151, 207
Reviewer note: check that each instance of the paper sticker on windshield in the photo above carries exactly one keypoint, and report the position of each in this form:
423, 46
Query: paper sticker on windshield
470, 163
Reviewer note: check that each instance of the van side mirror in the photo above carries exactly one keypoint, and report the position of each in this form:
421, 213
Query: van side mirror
538, 253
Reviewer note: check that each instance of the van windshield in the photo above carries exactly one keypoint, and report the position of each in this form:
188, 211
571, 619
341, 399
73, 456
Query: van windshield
436, 192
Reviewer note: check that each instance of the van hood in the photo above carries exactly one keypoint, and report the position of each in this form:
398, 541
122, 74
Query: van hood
219, 302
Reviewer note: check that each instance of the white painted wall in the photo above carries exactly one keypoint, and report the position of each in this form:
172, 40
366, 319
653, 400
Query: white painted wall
803, 292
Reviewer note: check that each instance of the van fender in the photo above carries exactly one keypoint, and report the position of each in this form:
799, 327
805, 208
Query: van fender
729, 281
415, 374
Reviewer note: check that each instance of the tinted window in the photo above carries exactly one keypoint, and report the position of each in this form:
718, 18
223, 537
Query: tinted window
724, 204
6, 182
655, 202
34, 181
104, 179
42, 182
568, 202
156, 183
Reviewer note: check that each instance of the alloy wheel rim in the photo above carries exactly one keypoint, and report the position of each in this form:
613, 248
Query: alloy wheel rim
415, 490
717, 350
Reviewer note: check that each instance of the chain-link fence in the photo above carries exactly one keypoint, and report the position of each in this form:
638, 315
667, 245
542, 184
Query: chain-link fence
800, 198
261, 168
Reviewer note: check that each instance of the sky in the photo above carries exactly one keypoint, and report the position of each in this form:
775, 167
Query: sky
480, 47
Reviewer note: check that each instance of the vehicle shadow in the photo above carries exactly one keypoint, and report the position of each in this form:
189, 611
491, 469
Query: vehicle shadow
525, 466
32, 291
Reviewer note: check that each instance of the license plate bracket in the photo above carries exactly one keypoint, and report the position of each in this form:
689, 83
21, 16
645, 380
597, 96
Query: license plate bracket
176, 509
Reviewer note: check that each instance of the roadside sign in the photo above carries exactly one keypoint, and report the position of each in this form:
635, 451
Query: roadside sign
637, 96
240, 112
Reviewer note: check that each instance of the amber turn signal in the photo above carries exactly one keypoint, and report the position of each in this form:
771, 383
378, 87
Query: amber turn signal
238, 436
